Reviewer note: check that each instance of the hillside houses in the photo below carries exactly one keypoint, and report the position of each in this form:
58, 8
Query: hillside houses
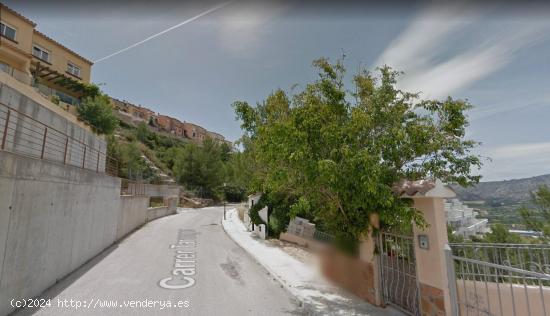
134, 114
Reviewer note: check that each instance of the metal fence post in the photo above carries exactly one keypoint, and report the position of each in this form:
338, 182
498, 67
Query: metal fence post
65, 152
97, 167
84, 157
44, 142
6, 129
452, 279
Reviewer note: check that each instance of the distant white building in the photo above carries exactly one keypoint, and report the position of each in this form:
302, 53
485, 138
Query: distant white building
463, 219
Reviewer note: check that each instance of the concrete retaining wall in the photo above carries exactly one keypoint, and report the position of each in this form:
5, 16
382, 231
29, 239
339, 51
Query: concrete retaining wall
54, 218
156, 212
133, 214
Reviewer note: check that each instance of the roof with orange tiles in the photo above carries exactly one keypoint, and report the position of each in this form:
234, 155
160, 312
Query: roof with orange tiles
19, 15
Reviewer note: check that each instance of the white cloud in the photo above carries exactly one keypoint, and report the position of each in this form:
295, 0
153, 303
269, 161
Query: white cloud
413, 48
516, 161
484, 112
240, 28
417, 51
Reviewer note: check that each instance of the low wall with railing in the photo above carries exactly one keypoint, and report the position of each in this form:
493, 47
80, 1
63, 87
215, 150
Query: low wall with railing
501, 279
31, 128
502, 298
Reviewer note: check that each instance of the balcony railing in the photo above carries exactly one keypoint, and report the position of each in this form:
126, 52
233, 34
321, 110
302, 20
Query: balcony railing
16, 74
21, 134
47, 91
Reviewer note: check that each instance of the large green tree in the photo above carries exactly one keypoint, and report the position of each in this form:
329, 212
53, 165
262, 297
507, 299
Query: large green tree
200, 167
340, 151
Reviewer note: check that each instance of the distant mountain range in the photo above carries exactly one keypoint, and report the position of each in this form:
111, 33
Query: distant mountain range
506, 192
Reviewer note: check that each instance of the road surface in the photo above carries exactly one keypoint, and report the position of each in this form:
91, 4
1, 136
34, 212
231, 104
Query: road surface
222, 278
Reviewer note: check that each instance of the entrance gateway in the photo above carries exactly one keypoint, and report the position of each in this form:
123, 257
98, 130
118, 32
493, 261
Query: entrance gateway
398, 272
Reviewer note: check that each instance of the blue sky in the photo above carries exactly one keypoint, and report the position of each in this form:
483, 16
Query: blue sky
496, 56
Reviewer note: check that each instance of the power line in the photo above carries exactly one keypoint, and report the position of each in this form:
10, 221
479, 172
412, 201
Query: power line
165, 31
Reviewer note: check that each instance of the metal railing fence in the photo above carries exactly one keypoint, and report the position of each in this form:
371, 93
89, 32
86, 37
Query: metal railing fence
530, 257
486, 288
323, 237
22, 134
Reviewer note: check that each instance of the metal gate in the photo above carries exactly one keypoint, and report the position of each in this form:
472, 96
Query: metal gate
398, 269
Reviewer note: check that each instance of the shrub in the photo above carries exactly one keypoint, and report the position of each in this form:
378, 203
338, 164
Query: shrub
234, 193
97, 111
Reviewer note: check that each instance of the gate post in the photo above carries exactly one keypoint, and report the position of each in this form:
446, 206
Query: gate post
430, 242
368, 255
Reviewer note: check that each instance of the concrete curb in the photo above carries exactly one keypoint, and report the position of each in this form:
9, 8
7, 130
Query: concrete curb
305, 306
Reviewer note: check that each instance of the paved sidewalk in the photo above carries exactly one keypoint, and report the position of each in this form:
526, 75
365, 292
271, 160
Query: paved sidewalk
303, 281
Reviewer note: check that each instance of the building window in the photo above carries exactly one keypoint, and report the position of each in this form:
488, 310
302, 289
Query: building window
72, 69
41, 53
7, 31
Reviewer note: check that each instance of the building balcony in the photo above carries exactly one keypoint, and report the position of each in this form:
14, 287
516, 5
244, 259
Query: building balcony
51, 82
16, 74
45, 90
48, 92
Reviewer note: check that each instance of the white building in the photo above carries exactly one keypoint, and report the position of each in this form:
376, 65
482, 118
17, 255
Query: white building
463, 219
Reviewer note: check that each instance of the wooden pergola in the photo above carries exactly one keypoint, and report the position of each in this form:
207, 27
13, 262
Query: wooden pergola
53, 76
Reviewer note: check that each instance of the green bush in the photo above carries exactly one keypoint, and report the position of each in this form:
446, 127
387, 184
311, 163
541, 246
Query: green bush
97, 111
233, 193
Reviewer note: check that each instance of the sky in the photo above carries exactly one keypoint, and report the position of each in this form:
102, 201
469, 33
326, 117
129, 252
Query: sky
497, 56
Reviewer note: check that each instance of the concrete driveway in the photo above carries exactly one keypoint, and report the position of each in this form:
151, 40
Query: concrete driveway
182, 264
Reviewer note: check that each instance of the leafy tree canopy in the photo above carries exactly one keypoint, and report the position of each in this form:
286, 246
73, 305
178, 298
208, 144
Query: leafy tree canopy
341, 151
200, 167
97, 111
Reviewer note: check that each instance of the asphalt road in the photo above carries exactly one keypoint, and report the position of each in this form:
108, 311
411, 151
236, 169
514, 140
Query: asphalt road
226, 280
